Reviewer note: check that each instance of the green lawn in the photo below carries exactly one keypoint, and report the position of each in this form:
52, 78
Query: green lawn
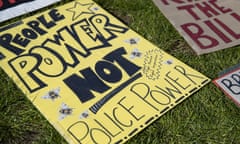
208, 116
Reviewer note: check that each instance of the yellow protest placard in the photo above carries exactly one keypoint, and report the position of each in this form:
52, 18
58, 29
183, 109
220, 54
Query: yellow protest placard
94, 79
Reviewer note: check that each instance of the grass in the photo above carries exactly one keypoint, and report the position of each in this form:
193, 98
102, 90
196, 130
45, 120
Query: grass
208, 116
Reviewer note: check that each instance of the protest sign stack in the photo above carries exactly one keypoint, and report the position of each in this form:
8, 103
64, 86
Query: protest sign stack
93, 78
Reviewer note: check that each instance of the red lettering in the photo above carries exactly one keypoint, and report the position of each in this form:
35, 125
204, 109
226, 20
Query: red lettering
220, 8
1, 3
217, 31
236, 16
12, 1
189, 9
176, 1
207, 9
197, 34
228, 29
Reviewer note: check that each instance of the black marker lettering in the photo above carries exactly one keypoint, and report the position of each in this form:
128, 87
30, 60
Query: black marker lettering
5, 42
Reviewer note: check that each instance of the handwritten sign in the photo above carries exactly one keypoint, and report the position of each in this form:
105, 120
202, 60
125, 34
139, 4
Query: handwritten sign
93, 78
13, 8
229, 83
207, 25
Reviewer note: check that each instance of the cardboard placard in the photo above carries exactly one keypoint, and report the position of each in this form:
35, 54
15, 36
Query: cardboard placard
229, 83
12, 8
93, 78
207, 25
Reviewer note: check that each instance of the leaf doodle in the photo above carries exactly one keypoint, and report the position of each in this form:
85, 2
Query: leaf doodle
152, 64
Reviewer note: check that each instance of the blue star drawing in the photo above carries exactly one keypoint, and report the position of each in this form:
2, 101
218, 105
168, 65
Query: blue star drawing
169, 62
64, 111
132, 41
53, 94
84, 115
79, 9
135, 53
95, 8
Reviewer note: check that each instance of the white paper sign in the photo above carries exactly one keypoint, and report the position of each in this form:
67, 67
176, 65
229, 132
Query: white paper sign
230, 84
12, 8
